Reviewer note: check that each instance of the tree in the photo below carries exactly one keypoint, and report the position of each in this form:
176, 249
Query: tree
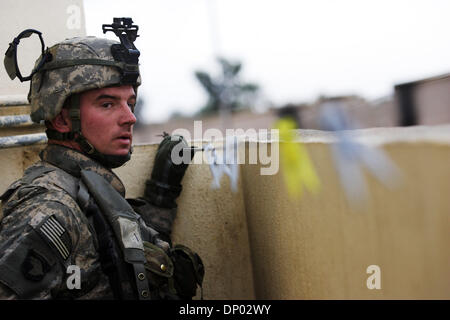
226, 91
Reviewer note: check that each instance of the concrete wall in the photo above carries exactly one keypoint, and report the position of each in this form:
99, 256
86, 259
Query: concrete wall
259, 243
318, 247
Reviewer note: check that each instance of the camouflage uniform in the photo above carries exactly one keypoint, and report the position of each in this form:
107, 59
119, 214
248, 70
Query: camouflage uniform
46, 227
33, 265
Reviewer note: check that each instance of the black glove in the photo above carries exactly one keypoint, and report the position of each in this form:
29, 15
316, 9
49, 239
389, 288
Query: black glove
164, 186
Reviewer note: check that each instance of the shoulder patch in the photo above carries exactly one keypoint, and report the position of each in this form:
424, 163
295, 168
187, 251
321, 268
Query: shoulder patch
34, 267
56, 235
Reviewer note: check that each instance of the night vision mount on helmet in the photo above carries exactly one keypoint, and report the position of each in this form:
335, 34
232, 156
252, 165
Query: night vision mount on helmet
73, 66
126, 51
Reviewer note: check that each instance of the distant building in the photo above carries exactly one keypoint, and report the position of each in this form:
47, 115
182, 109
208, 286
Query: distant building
424, 102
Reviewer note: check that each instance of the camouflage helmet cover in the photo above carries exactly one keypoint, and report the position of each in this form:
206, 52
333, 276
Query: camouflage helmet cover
71, 71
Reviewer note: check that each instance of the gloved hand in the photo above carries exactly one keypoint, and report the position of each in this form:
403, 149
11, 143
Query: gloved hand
171, 162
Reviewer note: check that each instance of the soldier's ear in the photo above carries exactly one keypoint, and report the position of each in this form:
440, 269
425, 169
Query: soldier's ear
62, 121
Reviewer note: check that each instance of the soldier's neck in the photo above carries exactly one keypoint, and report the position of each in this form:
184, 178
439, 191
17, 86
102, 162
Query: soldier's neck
69, 144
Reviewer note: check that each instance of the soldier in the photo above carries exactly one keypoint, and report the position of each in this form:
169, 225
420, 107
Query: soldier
68, 211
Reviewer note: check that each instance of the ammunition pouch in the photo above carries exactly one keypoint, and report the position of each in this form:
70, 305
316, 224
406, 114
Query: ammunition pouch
188, 271
173, 275
159, 268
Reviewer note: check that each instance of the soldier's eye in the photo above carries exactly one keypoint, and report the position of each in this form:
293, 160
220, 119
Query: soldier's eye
132, 106
107, 105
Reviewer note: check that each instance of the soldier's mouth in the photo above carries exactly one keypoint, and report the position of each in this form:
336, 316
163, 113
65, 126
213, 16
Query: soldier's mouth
125, 136
125, 139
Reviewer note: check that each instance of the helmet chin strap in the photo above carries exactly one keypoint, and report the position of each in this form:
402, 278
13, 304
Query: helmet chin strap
108, 160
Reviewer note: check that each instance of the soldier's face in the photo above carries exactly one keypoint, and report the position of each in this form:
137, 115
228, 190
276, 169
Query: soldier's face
107, 118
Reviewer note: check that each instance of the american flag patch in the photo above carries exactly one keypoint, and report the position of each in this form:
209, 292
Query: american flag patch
55, 233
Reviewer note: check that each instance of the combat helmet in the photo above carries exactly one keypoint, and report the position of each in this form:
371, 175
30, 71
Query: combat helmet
76, 65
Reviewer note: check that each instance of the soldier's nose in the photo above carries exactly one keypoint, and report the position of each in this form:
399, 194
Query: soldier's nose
127, 116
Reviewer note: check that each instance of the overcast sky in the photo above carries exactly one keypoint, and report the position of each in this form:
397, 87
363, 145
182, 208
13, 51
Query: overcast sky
294, 49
